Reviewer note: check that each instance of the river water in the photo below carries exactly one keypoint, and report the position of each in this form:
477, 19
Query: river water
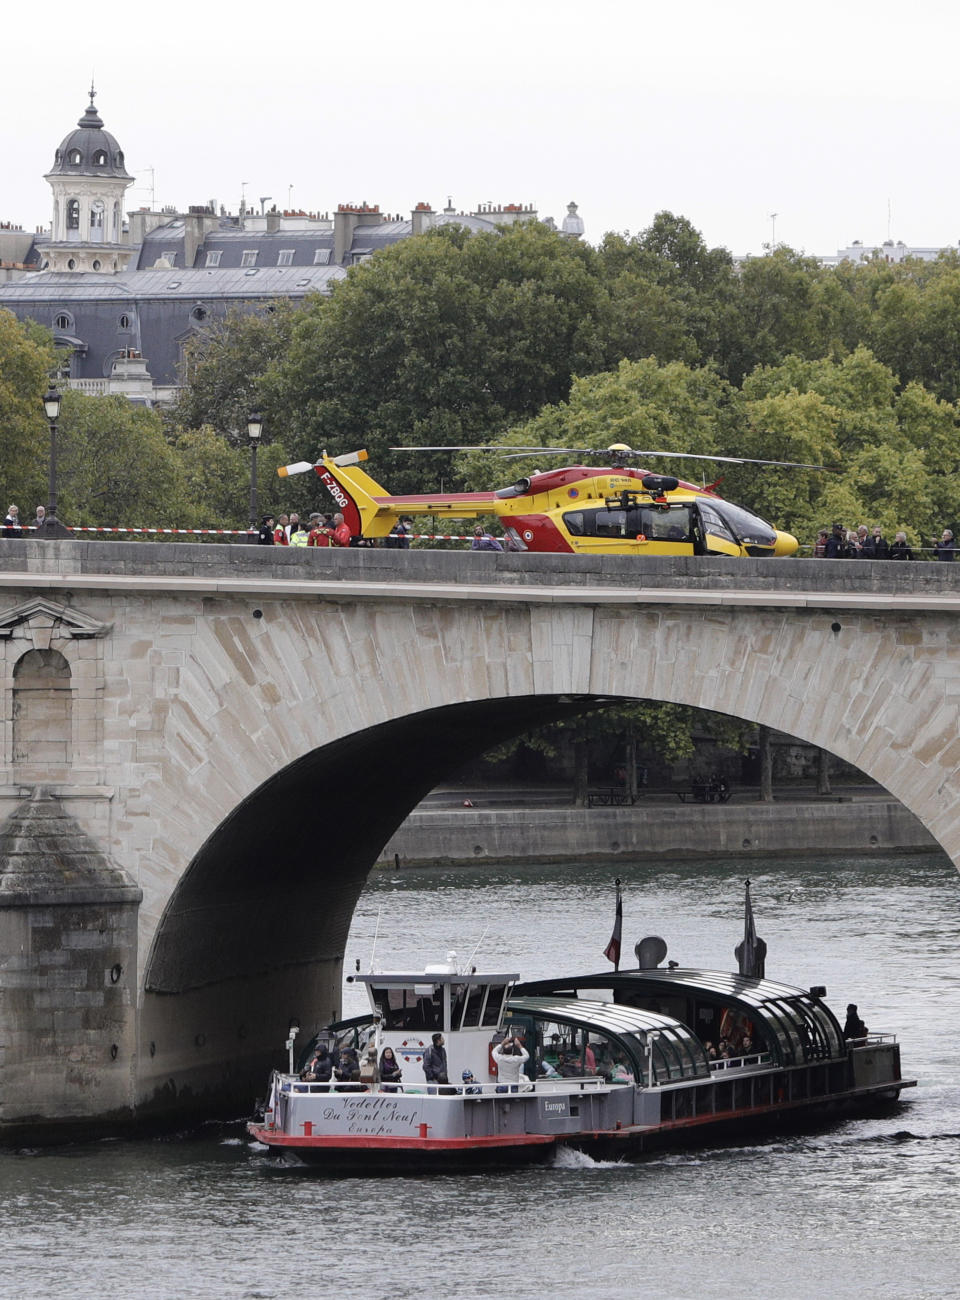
865, 1209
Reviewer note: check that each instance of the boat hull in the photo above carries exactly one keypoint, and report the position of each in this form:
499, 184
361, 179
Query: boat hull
404, 1154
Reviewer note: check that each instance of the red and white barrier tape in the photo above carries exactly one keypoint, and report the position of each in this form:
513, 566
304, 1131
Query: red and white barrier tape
239, 532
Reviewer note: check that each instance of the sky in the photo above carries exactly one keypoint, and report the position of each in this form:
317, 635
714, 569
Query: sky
836, 117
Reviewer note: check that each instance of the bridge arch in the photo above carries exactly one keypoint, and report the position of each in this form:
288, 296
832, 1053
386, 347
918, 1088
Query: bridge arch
220, 712
253, 934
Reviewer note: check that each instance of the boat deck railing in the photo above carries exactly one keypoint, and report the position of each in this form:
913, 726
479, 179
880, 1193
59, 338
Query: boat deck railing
294, 1084
871, 1040
741, 1062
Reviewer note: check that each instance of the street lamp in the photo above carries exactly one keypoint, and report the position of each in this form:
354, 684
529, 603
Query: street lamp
51, 405
254, 432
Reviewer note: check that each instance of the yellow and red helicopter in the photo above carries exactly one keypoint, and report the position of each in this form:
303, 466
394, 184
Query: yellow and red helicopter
580, 509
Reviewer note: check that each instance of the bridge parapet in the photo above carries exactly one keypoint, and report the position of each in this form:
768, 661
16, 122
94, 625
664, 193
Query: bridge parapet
51, 563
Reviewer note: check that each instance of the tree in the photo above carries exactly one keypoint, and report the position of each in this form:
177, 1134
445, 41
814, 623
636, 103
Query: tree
671, 296
27, 359
673, 407
789, 303
115, 465
443, 339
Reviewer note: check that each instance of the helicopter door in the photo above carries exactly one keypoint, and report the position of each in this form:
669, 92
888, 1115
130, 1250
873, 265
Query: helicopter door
714, 535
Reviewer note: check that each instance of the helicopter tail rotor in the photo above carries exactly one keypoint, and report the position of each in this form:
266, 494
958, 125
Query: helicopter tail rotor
301, 466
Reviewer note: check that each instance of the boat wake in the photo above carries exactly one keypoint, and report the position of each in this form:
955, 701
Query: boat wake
570, 1158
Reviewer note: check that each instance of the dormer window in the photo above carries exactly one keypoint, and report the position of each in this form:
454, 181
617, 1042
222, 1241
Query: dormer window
199, 313
285, 257
248, 257
213, 257
63, 322
119, 157
73, 158
321, 256
100, 158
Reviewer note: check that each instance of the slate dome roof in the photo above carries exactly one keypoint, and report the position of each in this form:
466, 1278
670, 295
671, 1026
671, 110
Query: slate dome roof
89, 150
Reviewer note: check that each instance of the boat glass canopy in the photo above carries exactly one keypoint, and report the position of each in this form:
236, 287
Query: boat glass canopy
794, 1025
620, 1032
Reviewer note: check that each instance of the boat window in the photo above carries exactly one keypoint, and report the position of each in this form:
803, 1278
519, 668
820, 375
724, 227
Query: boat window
473, 1006
781, 1021
412, 1007
494, 1007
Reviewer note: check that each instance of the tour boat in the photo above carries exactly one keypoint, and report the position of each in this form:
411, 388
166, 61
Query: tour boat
617, 1064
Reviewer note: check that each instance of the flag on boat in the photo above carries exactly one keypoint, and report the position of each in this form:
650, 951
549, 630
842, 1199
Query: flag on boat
751, 953
612, 950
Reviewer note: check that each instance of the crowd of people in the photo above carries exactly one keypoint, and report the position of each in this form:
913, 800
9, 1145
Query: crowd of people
331, 530
289, 530
840, 543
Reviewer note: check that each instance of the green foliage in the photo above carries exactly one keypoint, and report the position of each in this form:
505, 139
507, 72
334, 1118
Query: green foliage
115, 465
668, 732
441, 340
674, 407
27, 358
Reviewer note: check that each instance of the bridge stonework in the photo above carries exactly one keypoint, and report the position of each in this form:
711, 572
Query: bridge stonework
234, 733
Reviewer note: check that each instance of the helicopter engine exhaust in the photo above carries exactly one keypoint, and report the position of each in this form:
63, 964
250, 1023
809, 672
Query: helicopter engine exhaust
517, 489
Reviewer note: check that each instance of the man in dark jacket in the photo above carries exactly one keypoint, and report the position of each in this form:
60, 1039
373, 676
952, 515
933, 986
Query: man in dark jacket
836, 547
435, 1061
876, 546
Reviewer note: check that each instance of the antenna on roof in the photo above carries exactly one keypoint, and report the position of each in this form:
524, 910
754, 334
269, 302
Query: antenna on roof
479, 942
376, 935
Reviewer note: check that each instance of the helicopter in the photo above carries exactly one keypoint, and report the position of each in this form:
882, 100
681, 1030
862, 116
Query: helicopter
580, 509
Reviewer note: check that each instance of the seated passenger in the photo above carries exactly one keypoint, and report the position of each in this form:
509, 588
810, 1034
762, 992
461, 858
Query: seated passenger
710, 1050
568, 1067
746, 1047
469, 1082
320, 1067
546, 1071
622, 1073
390, 1071
590, 1060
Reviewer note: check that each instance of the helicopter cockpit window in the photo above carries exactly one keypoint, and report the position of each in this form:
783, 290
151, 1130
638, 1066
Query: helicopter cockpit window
746, 527
712, 523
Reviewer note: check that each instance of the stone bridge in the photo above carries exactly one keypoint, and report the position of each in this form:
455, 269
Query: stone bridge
203, 749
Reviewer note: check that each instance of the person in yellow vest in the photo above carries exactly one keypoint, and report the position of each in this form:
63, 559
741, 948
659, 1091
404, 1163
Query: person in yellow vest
298, 533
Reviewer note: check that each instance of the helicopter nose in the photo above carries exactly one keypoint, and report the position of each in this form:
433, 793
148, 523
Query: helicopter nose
786, 544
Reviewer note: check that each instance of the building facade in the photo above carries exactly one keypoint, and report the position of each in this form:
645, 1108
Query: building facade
124, 296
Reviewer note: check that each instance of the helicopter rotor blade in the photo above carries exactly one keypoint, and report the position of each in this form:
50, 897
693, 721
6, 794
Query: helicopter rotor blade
654, 455
472, 447
521, 453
